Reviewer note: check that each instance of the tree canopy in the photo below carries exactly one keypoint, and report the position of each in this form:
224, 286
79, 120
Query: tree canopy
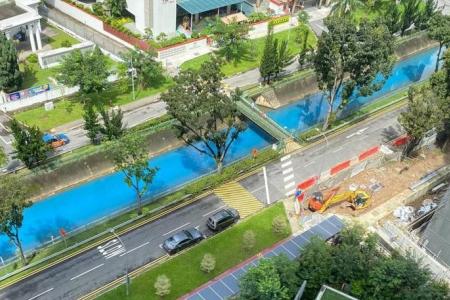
439, 30
148, 71
232, 40
13, 201
10, 76
207, 117
350, 58
344, 8
116, 8
88, 70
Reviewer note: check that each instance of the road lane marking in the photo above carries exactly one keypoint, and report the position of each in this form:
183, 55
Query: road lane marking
362, 130
289, 177
257, 189
223, 206
351, 135
337, 149
285, 157
114, 253
44, 292
176, 229
135, 248
5, 141
287, 171
90, 270
286, 164
290, 184
308, 164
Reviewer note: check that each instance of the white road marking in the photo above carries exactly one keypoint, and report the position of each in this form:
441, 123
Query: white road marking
287, 171
362, 130
257, 189
135, 248
308, 164
286, 164
5, 141
289, 185
160, 246
337, 149
351, 135
44, 292
108, 244
3, 126
223, 206
285, 157
289, 177
291, 192
90, 270
114, 253
176, 229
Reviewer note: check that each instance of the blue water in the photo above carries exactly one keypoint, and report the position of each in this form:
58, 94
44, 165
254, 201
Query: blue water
99, 198
306, 112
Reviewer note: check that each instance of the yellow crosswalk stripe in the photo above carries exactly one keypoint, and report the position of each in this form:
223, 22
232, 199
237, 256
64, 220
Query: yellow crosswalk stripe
236, 196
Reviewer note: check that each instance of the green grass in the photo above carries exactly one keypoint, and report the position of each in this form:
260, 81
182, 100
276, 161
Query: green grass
184, 269
70, 109
59, 37
33, 75
257, 46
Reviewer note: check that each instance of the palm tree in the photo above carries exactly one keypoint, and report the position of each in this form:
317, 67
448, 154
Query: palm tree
343, 8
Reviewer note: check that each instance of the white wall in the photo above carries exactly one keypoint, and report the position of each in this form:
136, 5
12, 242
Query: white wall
197, 46
137, 8
164, 13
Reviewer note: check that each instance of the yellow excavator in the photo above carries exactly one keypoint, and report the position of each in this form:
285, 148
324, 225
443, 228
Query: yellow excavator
358, 199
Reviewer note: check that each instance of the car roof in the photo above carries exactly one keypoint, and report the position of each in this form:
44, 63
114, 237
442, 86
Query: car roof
180, 236
221, 214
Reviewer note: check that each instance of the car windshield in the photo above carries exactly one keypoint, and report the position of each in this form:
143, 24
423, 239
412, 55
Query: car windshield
188, 234
222, 214
179, 237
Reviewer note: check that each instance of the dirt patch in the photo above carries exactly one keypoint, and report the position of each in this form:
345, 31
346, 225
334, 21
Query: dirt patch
387, 181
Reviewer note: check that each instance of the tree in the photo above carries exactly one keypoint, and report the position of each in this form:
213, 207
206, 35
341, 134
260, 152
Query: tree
344, 8
29, 145
263, 283
303, 17
148, 71
207, 118
267, 66
232, 40
10, 76
3, 157
427, 13
421, 115
350, 58
116, 8
439, 30
208, 263
131, 158
91, 123
248, 240
279, 225
162, 286
112, 123
284, 58
88, 70
393, 17
411, 14
13, 201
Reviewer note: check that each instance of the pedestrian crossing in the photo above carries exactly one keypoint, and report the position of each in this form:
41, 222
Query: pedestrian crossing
111, 249
236, 196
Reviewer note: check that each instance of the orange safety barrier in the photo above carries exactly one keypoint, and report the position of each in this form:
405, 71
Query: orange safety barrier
339, 167
400, 141
368, 153
307, 183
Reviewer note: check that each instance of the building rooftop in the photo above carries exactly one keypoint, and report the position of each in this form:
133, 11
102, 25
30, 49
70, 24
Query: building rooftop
199, 6
9, 9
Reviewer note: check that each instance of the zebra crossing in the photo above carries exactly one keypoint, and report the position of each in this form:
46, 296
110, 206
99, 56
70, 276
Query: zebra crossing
288, 175
111, 249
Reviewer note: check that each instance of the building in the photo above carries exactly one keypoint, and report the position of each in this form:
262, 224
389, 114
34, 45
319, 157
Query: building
19, 20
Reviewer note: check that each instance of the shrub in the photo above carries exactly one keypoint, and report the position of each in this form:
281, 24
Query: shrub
279, 225
66, 44
279, 20
97, 9
162, 285
248, 240
32, 58
208, 263
195, 35
257, 16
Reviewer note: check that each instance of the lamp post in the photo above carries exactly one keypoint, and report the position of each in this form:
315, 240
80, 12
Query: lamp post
127, 278
132, 72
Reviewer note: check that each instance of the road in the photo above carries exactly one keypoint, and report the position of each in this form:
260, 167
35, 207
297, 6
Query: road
92, 269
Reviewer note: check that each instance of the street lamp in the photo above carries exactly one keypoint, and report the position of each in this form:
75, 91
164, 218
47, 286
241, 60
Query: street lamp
127, 278
133, 73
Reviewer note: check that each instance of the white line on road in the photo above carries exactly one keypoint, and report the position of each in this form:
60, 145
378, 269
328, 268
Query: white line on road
140, 246
285, 157
286, 164
3, 126
5, 141
291, 192
289, 177
351, 135
308, 164
337, 149
223, 206
257, 189
176, 229
84, 273
362, 130
287, 171
289, 185
38, 295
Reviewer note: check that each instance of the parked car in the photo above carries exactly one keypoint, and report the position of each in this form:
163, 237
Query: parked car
56, 140
182, 240
222, 219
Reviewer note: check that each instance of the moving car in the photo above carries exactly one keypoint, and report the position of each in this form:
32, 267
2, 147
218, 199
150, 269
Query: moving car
56, 140
222, 219
182, 240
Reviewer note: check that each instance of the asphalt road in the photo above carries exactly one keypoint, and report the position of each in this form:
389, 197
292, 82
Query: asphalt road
322, 156
92, 269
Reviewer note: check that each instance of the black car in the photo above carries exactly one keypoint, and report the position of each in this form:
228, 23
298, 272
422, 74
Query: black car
182, 239
222, 219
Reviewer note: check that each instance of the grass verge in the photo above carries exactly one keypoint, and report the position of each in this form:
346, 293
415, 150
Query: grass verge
257, 47
184, 269
70, 109
80, 240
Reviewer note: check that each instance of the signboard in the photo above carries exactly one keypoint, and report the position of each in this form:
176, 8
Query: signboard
28, 92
